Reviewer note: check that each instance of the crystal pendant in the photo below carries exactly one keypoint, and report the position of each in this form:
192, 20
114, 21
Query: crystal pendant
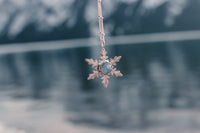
106, 67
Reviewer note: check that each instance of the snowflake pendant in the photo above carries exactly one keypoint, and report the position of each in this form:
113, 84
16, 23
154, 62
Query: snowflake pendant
104, 67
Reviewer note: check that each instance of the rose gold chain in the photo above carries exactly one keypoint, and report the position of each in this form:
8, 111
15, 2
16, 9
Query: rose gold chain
101, 27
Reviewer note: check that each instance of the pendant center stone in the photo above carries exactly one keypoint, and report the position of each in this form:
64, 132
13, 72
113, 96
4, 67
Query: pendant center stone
106, 68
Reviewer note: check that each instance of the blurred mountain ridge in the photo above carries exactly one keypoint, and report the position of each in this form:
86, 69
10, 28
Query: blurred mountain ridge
40, 20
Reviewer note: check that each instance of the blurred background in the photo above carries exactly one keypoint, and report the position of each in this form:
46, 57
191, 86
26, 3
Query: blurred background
43, 74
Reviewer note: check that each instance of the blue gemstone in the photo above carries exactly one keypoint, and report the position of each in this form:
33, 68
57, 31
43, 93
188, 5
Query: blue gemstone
106, 68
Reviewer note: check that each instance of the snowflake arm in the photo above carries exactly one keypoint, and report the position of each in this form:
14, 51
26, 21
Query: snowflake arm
93, 75
92, 62
115, 60
103, 54
116, 73
105, 80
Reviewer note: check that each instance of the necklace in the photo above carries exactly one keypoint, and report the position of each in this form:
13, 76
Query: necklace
103, 67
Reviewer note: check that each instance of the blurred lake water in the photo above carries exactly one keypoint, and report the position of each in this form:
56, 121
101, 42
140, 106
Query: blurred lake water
48, 91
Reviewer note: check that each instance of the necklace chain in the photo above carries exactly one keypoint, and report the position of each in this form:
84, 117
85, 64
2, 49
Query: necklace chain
101, 27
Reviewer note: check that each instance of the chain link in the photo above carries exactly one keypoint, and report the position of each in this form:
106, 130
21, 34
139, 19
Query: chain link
101, 27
